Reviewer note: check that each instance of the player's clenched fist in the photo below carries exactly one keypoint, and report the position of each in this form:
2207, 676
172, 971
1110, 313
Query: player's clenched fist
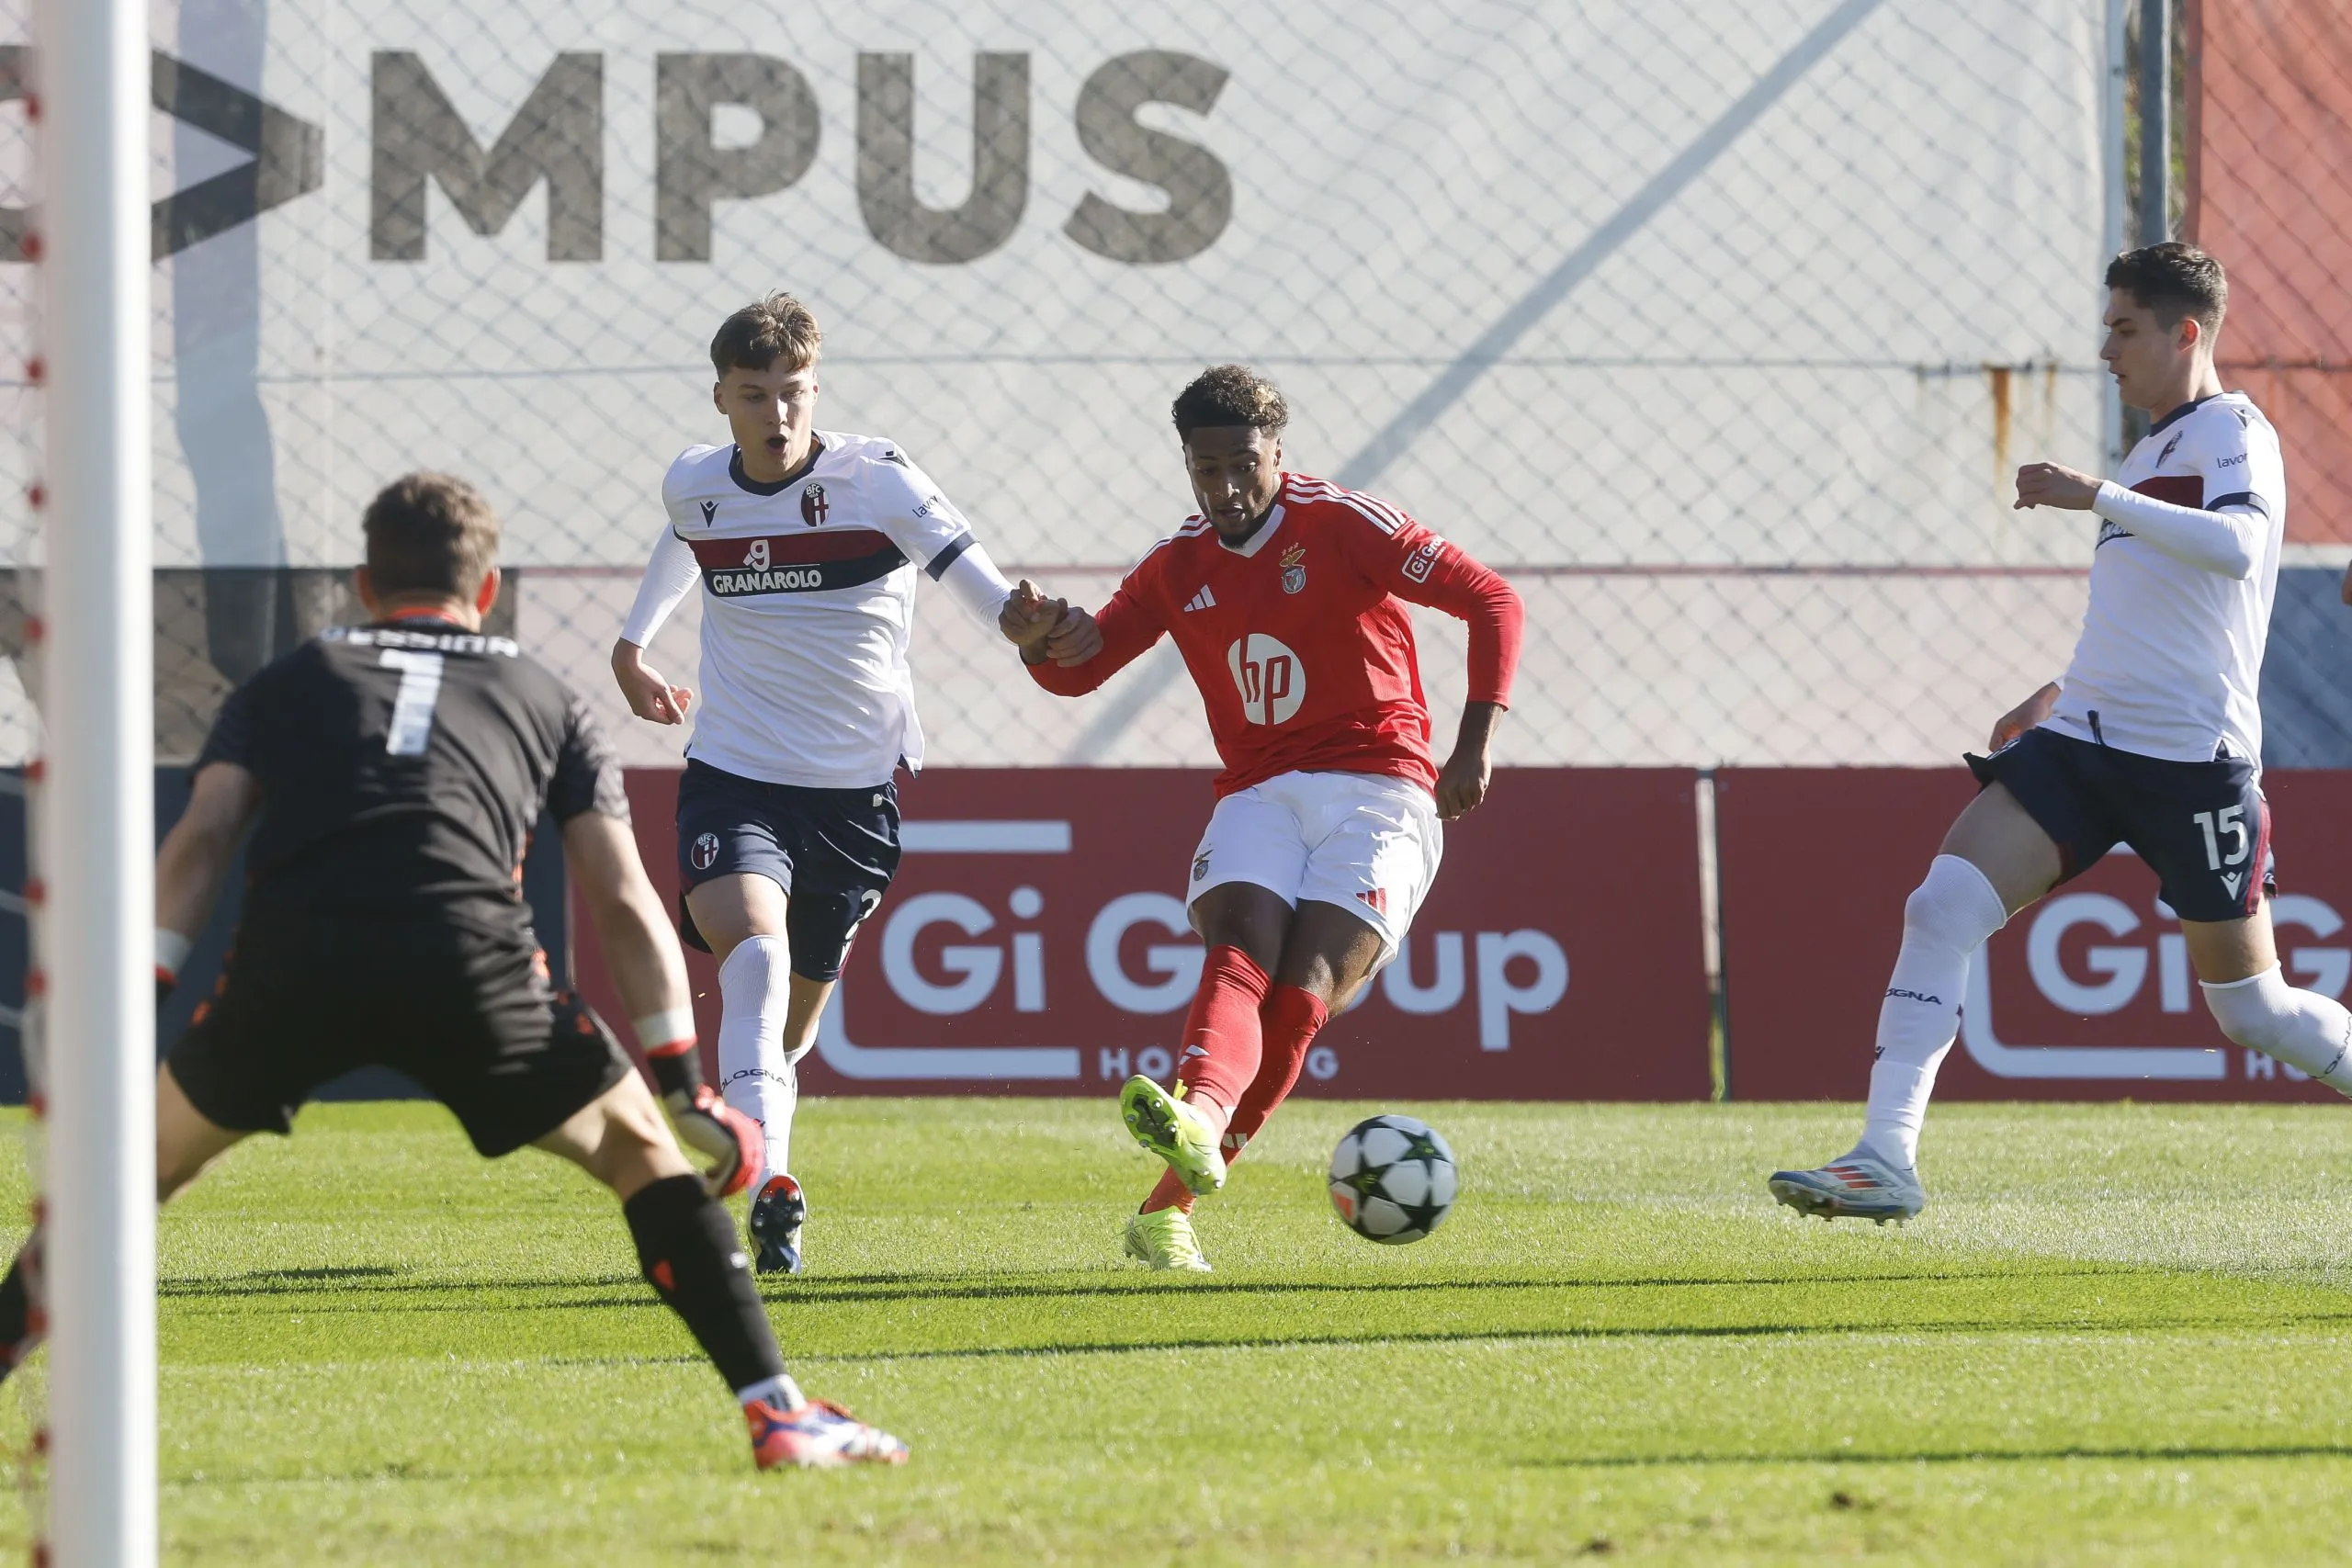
1462, 785
1076, 637
649, 695
734, 1141
2054, 484
1028, 617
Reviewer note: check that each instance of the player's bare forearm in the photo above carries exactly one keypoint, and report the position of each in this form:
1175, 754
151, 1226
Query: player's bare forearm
1463, 781
640, 949
197, 852
651, 696
2025, 715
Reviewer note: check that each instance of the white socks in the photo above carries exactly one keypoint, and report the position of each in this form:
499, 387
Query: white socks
1947, 918
754, 1074
779, 1390
2304, 1029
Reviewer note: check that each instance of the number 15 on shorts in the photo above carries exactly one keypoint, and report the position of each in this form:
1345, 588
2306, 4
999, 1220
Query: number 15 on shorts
2228, 823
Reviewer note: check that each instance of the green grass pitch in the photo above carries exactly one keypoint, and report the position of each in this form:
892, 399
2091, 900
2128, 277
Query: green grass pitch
2118, 1334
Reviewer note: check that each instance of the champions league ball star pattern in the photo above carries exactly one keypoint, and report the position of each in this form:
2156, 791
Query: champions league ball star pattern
1393, 1179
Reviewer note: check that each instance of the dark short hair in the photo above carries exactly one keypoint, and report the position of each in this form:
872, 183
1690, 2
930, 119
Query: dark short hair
2173, 280
778, 327
429, 534
1225, 395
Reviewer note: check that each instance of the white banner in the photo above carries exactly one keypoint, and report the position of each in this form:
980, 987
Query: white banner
1597, 284
1720, 326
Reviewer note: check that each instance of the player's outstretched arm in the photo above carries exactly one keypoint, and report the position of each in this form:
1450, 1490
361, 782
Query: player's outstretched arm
194, 861
649, 972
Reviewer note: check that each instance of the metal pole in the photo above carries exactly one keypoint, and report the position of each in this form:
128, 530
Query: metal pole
2155, 121
98, 813
2115, 215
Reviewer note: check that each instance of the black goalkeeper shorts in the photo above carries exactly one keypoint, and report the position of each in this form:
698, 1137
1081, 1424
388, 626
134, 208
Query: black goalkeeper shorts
471, 1018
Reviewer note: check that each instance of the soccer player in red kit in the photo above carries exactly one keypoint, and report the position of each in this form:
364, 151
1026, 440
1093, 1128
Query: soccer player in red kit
1283, 595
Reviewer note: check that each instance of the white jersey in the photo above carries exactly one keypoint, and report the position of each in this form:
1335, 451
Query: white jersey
2182, 581
809, 589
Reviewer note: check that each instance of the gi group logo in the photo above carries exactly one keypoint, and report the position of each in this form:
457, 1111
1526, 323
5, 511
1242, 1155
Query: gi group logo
2095, 982
1052, 940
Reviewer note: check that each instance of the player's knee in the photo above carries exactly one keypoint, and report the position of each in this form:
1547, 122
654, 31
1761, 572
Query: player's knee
756, 968
1955, 906
2256, 1013
628, 1146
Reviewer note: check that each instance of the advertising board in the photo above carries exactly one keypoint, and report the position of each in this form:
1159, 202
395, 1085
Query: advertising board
1035, 942
2087, 996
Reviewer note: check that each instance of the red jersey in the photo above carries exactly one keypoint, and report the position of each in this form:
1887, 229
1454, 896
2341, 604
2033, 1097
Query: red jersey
1303, 653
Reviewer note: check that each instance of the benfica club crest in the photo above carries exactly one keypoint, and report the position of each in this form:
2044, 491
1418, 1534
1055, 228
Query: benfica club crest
812, 505
1294, 569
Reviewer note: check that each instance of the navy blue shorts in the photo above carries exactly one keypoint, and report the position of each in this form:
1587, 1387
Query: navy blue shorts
2203, 828
833, 850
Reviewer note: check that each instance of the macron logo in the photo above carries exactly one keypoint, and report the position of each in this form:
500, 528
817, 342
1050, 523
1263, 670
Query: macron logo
1204, 600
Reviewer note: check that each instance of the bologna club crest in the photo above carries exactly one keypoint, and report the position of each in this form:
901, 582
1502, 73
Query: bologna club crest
706, 851
812, 505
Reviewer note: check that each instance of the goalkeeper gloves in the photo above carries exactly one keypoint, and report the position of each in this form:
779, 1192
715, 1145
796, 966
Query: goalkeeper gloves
706, 1122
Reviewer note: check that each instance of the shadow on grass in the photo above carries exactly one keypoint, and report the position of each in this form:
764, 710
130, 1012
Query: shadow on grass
1500, 1334
867, 1287
1958, 1456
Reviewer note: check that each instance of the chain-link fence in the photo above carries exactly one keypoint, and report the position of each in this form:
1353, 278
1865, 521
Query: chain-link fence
1719, 328
2267, 128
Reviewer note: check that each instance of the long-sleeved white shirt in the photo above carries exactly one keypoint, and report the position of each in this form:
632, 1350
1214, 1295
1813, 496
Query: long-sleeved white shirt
2182, 579
810, 589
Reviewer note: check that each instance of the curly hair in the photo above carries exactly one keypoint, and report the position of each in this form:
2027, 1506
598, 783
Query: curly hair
2173, 280
1225, 395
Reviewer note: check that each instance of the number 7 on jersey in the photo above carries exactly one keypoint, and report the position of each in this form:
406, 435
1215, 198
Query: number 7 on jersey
411, 724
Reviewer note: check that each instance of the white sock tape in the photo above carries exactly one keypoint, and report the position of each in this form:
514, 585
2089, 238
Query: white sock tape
665, 1028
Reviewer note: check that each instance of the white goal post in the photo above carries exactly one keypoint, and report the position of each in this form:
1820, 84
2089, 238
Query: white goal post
95, 847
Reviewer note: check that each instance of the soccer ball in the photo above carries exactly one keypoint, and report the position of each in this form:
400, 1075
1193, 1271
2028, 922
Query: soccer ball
1392, 1180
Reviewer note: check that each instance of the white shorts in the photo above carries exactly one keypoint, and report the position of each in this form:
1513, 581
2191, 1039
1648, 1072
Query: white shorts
1364, 841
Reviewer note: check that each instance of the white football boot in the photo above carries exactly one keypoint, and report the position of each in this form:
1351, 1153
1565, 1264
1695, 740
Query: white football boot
1858, 1187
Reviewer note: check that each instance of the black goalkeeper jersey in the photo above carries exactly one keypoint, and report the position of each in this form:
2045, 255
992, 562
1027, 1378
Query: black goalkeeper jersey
401, 768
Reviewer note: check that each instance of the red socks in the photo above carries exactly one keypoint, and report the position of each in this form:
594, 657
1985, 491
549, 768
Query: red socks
1222, 1037
1288, 1021
1291, 1018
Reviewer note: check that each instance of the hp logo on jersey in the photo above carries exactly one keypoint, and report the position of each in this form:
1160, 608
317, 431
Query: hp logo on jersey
1270, 677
